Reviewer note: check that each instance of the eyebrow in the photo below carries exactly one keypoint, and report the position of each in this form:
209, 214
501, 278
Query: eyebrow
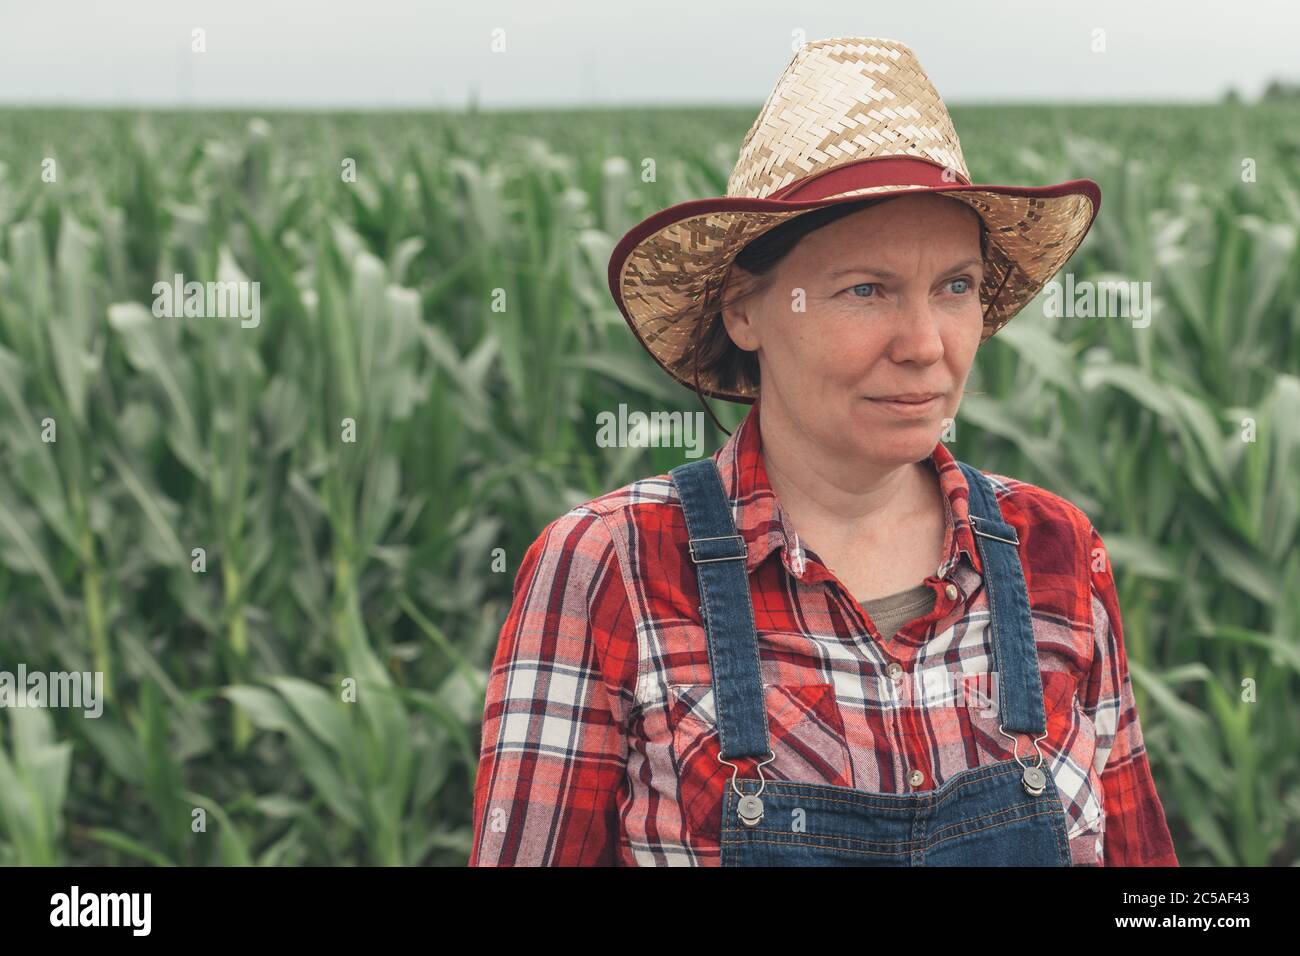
887, 274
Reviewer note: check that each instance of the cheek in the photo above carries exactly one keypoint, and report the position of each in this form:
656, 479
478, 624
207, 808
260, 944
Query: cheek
834, 340
961, 337
961, 331
971, 331
959, 348
818, 347
839, 351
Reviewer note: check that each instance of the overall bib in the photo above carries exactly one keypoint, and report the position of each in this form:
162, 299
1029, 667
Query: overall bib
1003, 814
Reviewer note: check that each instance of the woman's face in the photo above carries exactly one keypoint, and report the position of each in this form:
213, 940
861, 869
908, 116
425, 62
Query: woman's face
881, 303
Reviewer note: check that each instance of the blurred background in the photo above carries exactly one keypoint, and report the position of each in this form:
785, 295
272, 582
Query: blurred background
184, 509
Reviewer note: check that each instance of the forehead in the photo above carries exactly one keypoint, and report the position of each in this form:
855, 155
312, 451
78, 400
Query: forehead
938, 215
899, 228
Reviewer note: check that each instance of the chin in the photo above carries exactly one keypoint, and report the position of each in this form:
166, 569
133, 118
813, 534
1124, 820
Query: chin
906, 443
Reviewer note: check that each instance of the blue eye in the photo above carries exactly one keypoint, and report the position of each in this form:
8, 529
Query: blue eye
965, 280
863, 285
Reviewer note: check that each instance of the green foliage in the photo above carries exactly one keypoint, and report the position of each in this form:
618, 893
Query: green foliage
307, 688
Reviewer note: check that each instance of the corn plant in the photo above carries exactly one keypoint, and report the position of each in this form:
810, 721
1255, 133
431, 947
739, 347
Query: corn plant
290, 547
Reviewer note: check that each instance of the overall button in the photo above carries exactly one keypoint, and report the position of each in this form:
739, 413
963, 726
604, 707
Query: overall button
951, 591
895, 670
916, 778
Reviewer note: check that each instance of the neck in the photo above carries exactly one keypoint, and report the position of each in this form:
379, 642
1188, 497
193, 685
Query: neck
829, 497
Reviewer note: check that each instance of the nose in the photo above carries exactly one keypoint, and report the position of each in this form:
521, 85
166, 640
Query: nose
917, 332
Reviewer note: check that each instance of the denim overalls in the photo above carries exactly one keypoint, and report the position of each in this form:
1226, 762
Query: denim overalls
1004, 814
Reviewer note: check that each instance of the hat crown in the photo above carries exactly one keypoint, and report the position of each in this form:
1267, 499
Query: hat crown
839, 101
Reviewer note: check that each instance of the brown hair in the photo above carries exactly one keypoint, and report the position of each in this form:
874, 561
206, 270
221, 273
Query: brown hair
712, 350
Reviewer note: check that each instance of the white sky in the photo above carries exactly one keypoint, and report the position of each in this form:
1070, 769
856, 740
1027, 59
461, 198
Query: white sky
395, 53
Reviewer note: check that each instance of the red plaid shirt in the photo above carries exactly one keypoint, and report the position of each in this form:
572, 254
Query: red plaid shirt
599, 739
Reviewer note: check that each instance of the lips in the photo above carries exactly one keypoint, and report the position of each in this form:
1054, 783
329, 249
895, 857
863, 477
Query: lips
910, 406
908, 398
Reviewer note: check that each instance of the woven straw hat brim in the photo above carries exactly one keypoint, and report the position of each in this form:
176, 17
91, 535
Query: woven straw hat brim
666, 272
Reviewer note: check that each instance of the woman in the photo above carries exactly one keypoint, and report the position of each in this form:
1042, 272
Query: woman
830, 642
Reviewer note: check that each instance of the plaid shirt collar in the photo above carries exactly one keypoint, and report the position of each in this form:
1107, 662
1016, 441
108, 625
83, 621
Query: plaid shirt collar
762, 522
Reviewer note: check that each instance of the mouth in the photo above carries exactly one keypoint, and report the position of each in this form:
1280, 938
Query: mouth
909, 405
909, 398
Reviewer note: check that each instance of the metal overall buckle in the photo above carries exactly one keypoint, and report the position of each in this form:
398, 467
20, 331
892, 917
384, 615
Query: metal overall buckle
976, 519
1034, 780
744, 548
750, 808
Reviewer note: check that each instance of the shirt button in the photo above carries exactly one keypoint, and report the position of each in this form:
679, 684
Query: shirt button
951, 591
895, 670
916, 778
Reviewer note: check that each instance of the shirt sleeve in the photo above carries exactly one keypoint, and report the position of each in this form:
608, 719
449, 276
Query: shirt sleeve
1135, 830
554, 748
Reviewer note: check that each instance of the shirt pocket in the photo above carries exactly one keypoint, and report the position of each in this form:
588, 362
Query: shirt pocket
805, 732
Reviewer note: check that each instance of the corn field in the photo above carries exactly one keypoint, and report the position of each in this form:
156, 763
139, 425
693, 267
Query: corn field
241, 524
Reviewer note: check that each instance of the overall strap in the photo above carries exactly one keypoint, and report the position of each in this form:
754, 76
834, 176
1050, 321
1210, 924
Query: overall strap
719, 554
1015, 655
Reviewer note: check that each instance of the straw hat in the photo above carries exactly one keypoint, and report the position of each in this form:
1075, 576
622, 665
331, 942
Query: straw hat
849, 118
